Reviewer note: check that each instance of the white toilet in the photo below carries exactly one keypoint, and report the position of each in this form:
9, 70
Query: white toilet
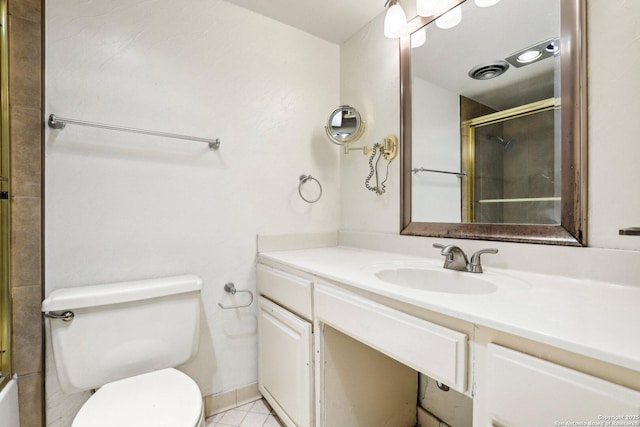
124, 339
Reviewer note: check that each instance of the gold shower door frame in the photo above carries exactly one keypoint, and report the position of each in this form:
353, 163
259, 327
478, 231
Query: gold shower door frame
5, 298
468, 136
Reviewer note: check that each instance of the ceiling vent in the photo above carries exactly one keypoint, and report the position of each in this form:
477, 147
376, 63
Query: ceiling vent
488, 71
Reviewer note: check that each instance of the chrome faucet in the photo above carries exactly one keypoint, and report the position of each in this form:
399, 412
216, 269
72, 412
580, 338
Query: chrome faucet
456, 259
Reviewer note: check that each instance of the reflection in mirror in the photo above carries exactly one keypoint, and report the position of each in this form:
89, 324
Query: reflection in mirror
344, 125
510, 161
491, 133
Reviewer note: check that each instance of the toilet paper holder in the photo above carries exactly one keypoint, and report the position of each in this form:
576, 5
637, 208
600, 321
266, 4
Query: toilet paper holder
231, 288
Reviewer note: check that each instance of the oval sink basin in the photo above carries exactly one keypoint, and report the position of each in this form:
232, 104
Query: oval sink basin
446, 281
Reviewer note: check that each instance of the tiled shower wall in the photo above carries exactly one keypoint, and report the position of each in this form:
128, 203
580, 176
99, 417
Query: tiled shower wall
25, 101
522, 165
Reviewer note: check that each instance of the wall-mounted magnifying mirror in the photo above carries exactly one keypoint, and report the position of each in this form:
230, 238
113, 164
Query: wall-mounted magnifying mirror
493, 123
344, 125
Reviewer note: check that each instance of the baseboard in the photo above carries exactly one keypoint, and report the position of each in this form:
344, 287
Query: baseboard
220, 402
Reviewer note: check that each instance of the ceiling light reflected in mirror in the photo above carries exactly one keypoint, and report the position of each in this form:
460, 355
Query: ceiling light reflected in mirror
529, 56
418, 38
396, 19
486, 3
450, 19
543, 50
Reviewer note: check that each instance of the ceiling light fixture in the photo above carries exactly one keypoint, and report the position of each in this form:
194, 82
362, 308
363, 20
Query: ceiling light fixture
535, 53
395, 20
427, 7
529, 56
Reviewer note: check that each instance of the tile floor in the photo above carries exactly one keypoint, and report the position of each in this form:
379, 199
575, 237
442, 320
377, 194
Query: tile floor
253, 414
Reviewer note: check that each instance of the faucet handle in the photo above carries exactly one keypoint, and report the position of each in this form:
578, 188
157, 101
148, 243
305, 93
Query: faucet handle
474, 264
445, 250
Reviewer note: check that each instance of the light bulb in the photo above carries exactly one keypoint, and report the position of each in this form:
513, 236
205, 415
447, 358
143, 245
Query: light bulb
394, 21
450, 19
427, 7
418, 38
486, 3
529, 56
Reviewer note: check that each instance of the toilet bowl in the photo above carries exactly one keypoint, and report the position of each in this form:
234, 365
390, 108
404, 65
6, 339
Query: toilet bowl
160, 398
125, 340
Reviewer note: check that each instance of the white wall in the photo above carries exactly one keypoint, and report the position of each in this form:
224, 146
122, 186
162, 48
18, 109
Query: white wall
436, 123
368, 64
613, 110
123, 207
613, 115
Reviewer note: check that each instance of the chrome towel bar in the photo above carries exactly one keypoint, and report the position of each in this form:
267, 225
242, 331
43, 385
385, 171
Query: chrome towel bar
458, 174
231, 288
56, 122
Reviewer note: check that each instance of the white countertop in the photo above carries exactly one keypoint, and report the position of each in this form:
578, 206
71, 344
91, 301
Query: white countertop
596, 319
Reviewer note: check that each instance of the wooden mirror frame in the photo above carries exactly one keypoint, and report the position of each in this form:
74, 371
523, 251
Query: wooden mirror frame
572, 229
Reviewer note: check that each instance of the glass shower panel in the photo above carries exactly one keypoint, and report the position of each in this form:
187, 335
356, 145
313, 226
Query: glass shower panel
516, 178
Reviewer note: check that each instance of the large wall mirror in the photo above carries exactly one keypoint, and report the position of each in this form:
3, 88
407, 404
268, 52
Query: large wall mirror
493, 122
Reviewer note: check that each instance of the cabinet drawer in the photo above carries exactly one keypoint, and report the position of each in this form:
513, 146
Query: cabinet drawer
431, 349
524, 391
288, 290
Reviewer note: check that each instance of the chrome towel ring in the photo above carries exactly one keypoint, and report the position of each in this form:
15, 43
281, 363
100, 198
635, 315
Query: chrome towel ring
303, 180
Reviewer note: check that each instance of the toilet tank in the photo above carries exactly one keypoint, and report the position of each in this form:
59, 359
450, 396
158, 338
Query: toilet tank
123, 329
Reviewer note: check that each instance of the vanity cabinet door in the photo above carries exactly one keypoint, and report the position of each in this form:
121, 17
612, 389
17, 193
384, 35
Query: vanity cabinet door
285, 363
524, 391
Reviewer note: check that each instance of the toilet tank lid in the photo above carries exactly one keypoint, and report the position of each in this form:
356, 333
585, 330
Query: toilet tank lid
119, 292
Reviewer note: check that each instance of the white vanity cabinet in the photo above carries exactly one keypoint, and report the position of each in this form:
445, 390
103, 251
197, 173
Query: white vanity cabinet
523, 363
285, 345
525, 391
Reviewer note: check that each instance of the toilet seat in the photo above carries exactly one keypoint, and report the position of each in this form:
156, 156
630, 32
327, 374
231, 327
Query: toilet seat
164, 398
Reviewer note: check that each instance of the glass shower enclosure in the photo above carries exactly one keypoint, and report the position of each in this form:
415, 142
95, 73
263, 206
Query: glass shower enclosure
513, 166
